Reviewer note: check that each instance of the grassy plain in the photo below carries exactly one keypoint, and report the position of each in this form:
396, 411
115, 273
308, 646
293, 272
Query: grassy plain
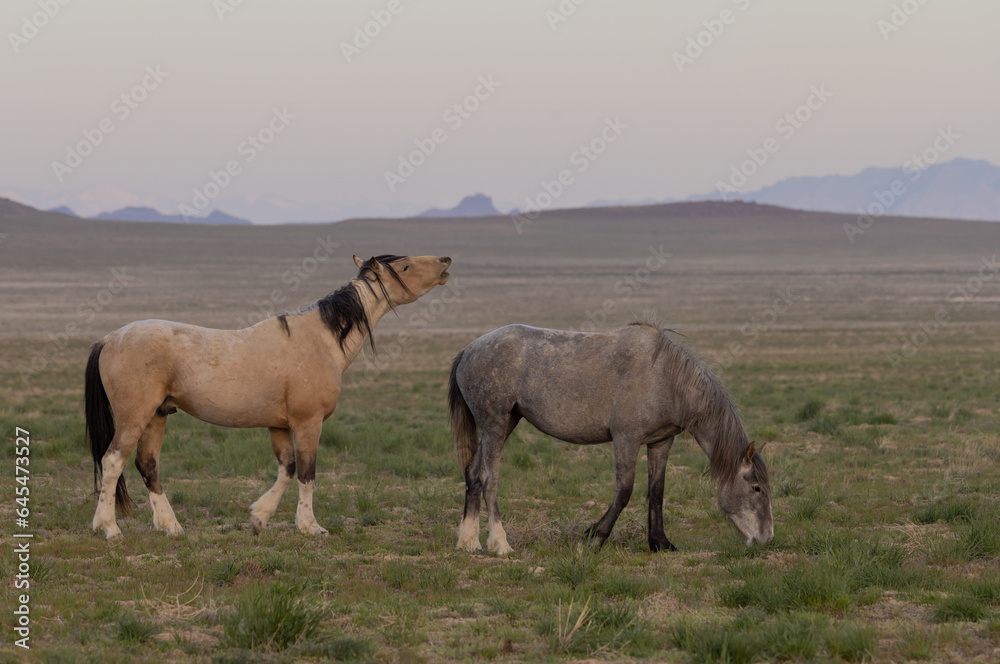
884, 471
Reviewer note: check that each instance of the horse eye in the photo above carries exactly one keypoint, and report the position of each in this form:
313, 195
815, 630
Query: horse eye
406, 268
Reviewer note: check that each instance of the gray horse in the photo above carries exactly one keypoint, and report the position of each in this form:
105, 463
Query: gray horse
634, 386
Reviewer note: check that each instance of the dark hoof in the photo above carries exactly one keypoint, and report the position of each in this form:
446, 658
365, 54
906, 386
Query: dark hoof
661, 545
255, 525
593, 537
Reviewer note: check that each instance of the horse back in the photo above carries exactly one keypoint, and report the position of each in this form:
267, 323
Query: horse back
575, 386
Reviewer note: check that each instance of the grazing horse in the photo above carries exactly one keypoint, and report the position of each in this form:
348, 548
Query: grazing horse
283, 373
634, 386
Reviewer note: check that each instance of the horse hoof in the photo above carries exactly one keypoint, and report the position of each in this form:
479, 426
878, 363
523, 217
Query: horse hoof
471, 545
113, 534
314, 529
256, 525
657, 545
502, 549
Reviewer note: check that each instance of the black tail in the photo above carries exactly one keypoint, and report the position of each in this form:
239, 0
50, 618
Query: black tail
101, 426
463, 423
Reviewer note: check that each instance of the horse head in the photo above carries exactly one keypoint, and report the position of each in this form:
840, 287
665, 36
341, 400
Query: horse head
403, 279
745, 497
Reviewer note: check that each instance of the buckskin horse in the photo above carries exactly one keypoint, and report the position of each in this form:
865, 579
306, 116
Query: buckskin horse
283, 374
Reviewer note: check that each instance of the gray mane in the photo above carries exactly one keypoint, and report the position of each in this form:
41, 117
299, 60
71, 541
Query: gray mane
708, 403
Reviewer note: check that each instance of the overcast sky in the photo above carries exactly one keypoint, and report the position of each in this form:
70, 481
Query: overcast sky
680, 125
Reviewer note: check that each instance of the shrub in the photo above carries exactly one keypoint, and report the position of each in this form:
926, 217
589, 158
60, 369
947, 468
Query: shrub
852, 643
132, 629
809, 410
272, 618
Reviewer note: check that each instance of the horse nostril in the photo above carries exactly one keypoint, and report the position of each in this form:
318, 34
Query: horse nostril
445, 260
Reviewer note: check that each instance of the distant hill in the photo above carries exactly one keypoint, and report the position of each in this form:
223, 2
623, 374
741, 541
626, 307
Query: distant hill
958, 189
9, 208
149, 214
477, 205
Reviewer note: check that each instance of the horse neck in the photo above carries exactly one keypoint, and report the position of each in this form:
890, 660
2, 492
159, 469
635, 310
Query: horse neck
713, 436
375, 306
705, 431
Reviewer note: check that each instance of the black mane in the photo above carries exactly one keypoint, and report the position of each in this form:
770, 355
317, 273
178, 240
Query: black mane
342, 311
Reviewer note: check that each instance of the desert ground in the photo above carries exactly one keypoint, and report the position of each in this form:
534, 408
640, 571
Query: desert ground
869, 367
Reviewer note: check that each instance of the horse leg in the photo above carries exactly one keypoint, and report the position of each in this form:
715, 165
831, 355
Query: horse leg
489, 476
656, 457
147, 460
306, 445
468, 530
284, 450
626, 456
112, 464
482, 478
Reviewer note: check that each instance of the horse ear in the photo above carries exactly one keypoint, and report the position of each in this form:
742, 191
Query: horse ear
761, 448
376, 267
358, 262
750, 450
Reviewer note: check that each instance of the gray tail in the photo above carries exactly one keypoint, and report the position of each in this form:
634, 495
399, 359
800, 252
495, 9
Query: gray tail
463, 424
101, 426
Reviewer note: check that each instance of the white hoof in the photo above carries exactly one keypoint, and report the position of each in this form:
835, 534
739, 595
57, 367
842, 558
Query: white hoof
497, 540
257, 525
173, 530
501, 548
469, 544
313, 529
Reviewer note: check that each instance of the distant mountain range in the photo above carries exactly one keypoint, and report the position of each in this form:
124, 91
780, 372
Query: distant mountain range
141, 213
134, 213
958, 189
477, 205
261, 208
11, 208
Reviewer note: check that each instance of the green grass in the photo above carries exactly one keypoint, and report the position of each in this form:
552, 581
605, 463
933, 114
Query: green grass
885, 491
851, 642
272, 618
577, 567
131, 629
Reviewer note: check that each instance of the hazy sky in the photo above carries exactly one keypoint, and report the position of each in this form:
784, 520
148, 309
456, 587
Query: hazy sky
678, 132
